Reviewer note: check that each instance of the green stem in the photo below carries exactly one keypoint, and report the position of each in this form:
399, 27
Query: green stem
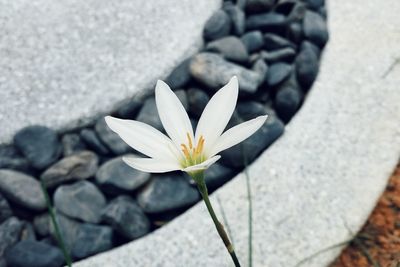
201, 185
59, 238
250, 217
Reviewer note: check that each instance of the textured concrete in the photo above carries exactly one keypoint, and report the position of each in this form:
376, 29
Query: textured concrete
326, 172
62, 62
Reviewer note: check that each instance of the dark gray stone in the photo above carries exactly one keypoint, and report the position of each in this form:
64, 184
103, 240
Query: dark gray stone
295, 32
167, 192
27, 232
111, 139
81, 200
72, 143
129, 109
180, 76
34, 254
39, 144
217, 175
322, 11
231, 47
92, 239
237, 17
198, 100
10, 231
41, 224
284, 55
68, 230
253, 41
259, 5
214, 71
93, 142
277, 73
297, 12
261, 68
307, 66
315, 29
248, 110
284, 7
22, 189
126, 218
217, 26
266, 22
314, 4
149, 114
115, 176
273, 42
182, 96
5, 210
254, 145
10, 158
234, 120
287, 102
308, 45
79, 166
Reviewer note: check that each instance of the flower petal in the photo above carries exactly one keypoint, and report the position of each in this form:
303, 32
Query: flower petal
144, 138
173, 115
217, 113
202, 166
151, 165
238, 134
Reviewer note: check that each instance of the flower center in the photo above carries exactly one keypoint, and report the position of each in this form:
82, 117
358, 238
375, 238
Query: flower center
193, 154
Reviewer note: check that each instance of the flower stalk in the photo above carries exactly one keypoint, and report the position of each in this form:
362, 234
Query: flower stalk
198, 177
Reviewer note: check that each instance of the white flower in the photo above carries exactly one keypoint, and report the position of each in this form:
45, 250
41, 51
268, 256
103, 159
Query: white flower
184, 150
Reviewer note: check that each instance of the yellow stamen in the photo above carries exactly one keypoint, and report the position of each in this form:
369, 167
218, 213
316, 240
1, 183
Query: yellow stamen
190, 141
192, 154
200, 145
185, 151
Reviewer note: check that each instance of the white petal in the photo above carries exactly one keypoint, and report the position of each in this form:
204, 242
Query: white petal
238, 134
151, 165
173, 115
202, 166
144, 138
217, 113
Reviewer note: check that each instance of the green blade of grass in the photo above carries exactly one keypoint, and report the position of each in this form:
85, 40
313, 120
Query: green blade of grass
59, 238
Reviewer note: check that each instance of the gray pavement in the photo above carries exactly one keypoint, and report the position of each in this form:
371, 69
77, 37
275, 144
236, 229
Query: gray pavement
63, 62
322, 177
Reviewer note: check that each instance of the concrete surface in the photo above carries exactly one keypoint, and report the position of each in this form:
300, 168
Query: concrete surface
326, 172
62, 62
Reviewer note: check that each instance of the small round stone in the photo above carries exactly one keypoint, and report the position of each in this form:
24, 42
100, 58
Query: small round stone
79, 166
167, 192
22, 189
307, 66
81, 200
231, 47
277, 73
315, 29
34, 254
93, 142
253, 41
39, 144
124, 209
287, 101
115, 176
111, 139
92, 239
217, 26
72, 143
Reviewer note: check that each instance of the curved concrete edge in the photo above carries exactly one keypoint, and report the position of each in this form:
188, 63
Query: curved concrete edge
321, 178
63, 68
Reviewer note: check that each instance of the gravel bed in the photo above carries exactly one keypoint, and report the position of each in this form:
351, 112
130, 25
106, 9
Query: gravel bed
273, 47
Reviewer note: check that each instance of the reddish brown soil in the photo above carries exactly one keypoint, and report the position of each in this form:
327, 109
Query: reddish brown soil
378, 243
